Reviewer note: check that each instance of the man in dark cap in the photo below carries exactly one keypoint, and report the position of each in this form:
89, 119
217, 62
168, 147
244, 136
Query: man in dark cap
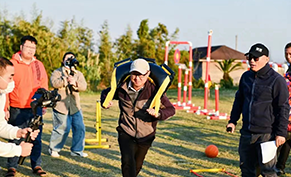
262, 99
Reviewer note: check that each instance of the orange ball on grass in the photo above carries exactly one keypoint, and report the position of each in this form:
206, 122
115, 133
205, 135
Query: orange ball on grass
211, 151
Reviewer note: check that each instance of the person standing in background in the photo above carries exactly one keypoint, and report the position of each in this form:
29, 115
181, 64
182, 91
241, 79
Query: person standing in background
284, 150
262, 99
67, 112
30, 75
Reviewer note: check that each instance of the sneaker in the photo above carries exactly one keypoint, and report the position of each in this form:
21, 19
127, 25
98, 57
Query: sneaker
10, 172
279, 171
53, 153
80, 154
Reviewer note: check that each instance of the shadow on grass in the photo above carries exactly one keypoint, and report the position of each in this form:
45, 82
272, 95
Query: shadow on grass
66, 165
181, 140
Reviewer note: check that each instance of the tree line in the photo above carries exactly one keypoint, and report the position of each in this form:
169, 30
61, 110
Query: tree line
96, 63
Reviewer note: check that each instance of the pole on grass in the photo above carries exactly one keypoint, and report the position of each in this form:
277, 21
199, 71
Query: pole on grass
207, 69
190, 63
217, 100
179, 84
185, 87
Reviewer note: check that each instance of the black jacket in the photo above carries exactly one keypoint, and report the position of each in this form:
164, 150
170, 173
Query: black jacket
262, 98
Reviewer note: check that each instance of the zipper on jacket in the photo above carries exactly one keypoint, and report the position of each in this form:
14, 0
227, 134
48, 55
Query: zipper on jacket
133, 108
139, 92
135, 127
251, 102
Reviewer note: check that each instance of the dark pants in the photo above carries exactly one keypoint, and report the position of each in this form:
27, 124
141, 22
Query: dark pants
283, 152
21, 118
251, 155
132, 153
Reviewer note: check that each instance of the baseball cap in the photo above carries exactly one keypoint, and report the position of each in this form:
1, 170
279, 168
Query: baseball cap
258, 50
140, 65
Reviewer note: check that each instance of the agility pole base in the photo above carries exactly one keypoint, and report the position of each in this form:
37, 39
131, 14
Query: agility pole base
96, 146
98, 138
218, 117
211, 114
183, 106
204, 111
193, 109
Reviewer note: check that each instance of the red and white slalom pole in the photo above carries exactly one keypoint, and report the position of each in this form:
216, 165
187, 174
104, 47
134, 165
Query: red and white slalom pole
190, 76
216, 100
182, 105
185, 87
190, 66
166, 52
216, 115
206, 86
179, 84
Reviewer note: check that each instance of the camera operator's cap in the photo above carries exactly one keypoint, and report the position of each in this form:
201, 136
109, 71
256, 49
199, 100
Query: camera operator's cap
258, 50
140, 65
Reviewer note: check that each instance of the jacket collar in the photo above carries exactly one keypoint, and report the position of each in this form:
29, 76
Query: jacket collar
263, 70
17, 57
131, 87
126, 84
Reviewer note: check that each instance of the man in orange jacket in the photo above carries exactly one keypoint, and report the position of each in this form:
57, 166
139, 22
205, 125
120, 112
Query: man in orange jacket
29, 75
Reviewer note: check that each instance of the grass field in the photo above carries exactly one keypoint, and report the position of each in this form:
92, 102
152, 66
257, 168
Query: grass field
179, 145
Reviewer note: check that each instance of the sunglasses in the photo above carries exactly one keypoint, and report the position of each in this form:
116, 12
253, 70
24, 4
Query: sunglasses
137, 74
250, 57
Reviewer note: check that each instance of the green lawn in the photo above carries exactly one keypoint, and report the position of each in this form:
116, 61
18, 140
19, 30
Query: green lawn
179, 146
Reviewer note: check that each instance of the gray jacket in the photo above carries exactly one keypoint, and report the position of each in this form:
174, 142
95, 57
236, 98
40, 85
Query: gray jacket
70, 103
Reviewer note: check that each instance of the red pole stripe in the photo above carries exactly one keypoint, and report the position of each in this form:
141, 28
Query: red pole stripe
230, 174
207, 68
216, 98
180, 42
166, 55
185, 87
190, 75
179, 84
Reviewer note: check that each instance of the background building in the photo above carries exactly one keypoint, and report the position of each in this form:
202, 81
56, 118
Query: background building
219, 53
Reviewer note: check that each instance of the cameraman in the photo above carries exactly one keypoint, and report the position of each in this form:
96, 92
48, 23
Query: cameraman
6, 130
67, 112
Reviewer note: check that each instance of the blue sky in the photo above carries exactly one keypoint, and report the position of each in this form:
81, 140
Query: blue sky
265, 21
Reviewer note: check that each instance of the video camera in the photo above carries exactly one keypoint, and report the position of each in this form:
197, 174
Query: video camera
42, 99
72, 62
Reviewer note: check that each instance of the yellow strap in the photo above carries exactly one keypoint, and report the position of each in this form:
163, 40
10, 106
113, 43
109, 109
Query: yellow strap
111, 93
208, 170
122, 63
166, 70
151, 80
126, 78
157, 99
